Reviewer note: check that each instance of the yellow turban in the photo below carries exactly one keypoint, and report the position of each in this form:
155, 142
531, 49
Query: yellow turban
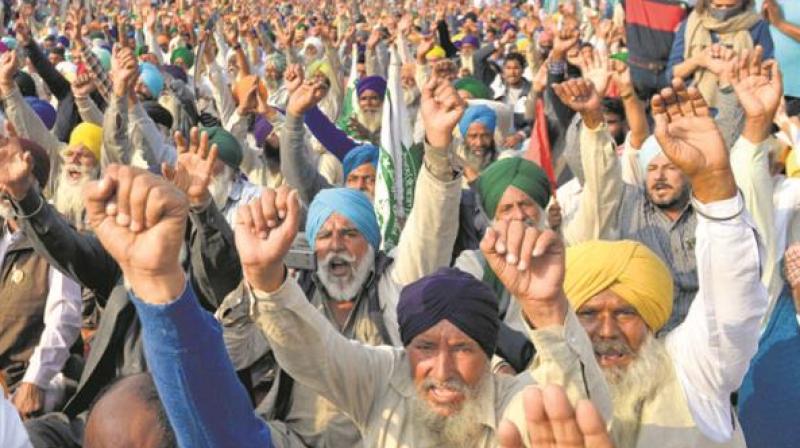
627, 268
90, 136
436, 52
792, 165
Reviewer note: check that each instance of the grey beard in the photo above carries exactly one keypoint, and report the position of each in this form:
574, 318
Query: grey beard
68, 199
462, 428
220, 187
344, 290
634, 385
371, 120
411, 96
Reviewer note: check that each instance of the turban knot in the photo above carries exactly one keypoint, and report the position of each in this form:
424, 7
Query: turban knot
627, 268
482, 114
452, 295
351, 204
512, 172
358, 156
374, 83
90, 136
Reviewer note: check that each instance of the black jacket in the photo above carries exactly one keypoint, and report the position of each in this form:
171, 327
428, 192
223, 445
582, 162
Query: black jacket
213, 267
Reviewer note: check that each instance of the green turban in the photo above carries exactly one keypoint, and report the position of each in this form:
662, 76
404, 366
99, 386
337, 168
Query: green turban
229, 149
183, 53
477, 89
512, 172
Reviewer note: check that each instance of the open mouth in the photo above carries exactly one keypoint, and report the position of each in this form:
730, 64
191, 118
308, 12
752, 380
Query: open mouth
444, 394
339, 268
74, 174
610, 358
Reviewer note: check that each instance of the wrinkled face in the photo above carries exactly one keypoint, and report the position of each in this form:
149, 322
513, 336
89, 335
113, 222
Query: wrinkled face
479, 140
667, 186
467, 49
341, 238
616, 329
363, 178
512, 72
515, 205
311, 52
445, 364
79, 163
370, 101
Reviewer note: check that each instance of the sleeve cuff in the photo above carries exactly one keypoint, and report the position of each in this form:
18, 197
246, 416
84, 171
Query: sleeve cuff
720, 209
30, 204
277, 299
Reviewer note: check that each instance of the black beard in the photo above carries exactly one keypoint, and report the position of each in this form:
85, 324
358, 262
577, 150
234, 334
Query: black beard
676, 204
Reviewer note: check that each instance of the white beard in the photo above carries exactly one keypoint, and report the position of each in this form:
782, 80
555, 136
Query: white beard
343, 289
631, 386
411, 96
371, 120
220, 187
461, 428
68, 199
6, 211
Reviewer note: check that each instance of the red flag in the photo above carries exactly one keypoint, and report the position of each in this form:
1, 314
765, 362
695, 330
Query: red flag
539, 147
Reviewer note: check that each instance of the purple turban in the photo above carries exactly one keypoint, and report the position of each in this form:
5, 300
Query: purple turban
469, 39
508, 26
44, 110
175, 72
63, 41
452, 295
261, 130
374, 83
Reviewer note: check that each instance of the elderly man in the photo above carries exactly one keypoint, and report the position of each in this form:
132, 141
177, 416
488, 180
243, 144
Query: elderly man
355, 285
366, 124
437, 390
477, 128
72, 165
659, 213
360, 169
675, 391
41, 310
116, 348
274, 68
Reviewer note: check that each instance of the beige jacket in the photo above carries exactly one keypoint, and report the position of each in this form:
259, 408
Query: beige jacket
374, 387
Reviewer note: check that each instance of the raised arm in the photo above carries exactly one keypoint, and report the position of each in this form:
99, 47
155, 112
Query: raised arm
603, 186
426, 242
295, 166
79, 255
305, 344
712, 349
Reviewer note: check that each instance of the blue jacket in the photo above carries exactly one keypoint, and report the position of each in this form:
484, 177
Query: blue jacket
759, 32
206, 404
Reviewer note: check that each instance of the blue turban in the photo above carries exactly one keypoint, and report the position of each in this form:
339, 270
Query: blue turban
352, 204
43, 109
452, 295
374, 83
152, 78
484, 115
358, 156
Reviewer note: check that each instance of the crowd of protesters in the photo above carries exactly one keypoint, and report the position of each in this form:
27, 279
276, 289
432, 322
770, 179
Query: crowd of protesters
386, 223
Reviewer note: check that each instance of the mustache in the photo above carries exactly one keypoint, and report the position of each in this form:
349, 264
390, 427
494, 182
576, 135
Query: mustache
452, 384
611, 347
660, 184
338, 257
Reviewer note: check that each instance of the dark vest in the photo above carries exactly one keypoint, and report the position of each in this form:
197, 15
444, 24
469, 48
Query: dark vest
308, 283
23, 294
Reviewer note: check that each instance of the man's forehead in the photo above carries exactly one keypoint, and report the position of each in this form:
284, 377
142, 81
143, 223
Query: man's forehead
444, 329
608, 299
338, 222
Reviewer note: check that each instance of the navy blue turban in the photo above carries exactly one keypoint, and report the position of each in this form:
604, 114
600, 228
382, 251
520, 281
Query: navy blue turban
452, 295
